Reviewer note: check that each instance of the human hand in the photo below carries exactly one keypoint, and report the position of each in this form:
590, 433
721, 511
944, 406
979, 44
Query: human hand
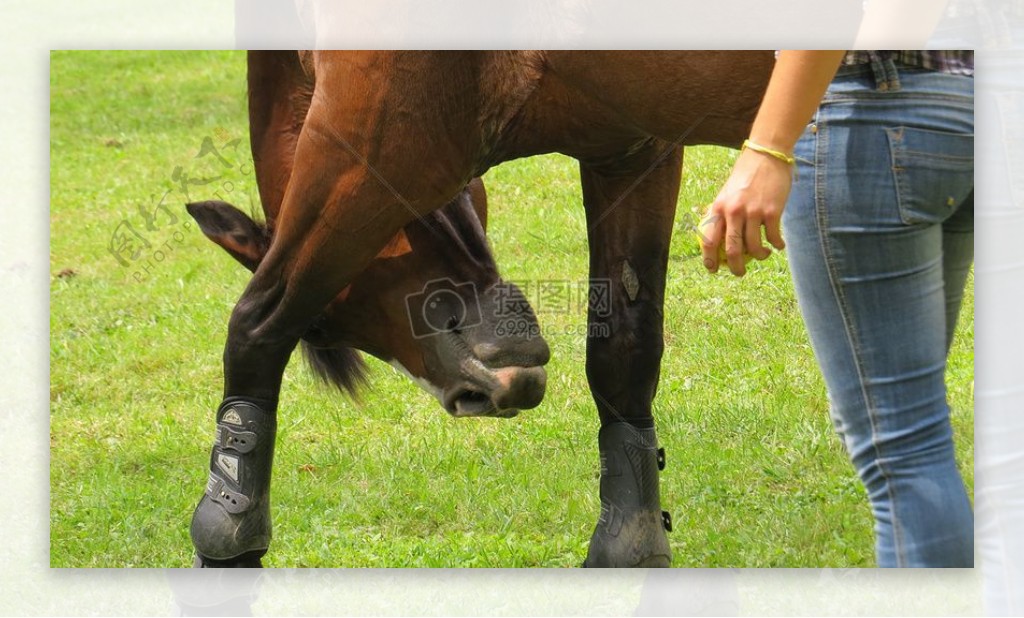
753, 196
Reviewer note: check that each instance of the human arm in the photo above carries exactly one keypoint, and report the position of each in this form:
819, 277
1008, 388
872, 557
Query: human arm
756, 191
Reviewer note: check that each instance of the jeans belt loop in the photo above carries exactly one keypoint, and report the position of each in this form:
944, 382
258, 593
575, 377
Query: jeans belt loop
886, 76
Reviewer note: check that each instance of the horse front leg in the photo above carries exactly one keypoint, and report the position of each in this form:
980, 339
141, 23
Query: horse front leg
335, 218
231, 526
630, 208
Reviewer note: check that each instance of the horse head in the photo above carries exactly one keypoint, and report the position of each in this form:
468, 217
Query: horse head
431, 303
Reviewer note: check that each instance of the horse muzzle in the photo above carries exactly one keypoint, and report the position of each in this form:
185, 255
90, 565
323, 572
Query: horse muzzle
501, 392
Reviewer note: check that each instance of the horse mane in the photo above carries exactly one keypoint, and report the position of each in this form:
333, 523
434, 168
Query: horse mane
341, 367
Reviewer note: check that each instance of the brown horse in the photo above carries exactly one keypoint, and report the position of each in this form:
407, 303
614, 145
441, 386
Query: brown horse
356, 151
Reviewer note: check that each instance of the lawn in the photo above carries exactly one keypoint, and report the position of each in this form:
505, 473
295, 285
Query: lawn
139, 302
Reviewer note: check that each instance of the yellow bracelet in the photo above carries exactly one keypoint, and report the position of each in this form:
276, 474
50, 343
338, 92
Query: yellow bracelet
781, 156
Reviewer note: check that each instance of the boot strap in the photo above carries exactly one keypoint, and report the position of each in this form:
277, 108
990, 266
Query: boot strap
221, 493
239, 441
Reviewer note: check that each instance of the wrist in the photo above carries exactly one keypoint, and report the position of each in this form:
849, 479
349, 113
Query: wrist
784, 156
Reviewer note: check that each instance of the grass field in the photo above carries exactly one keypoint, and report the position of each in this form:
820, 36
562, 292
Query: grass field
755, 476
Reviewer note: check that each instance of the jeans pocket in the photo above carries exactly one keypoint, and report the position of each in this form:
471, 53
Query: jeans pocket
933, 171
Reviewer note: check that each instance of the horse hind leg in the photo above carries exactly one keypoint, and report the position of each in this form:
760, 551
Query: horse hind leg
630, 210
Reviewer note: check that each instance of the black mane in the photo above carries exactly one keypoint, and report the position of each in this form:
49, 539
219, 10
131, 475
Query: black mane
341, 367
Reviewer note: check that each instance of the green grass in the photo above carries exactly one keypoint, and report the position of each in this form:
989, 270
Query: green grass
756, 477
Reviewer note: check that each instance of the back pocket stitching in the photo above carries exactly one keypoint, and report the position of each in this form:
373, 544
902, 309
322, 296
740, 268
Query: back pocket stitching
900, 156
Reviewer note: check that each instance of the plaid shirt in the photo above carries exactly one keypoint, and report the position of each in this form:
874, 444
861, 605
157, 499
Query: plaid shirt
956, 62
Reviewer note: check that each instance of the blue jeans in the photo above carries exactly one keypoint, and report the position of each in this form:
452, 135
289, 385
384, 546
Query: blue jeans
880, 237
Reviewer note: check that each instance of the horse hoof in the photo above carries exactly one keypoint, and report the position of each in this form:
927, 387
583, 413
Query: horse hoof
635, 540
249, 560
651, 562
631, 529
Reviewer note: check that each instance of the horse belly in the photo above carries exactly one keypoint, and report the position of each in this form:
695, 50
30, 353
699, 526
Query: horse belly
694, 97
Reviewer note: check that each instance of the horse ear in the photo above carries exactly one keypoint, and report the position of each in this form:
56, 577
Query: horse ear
244, 239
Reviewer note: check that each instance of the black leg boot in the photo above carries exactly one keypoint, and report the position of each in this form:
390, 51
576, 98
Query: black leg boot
231, 524
631, 530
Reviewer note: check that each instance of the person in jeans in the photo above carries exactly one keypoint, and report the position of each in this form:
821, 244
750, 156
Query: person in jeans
866, 159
